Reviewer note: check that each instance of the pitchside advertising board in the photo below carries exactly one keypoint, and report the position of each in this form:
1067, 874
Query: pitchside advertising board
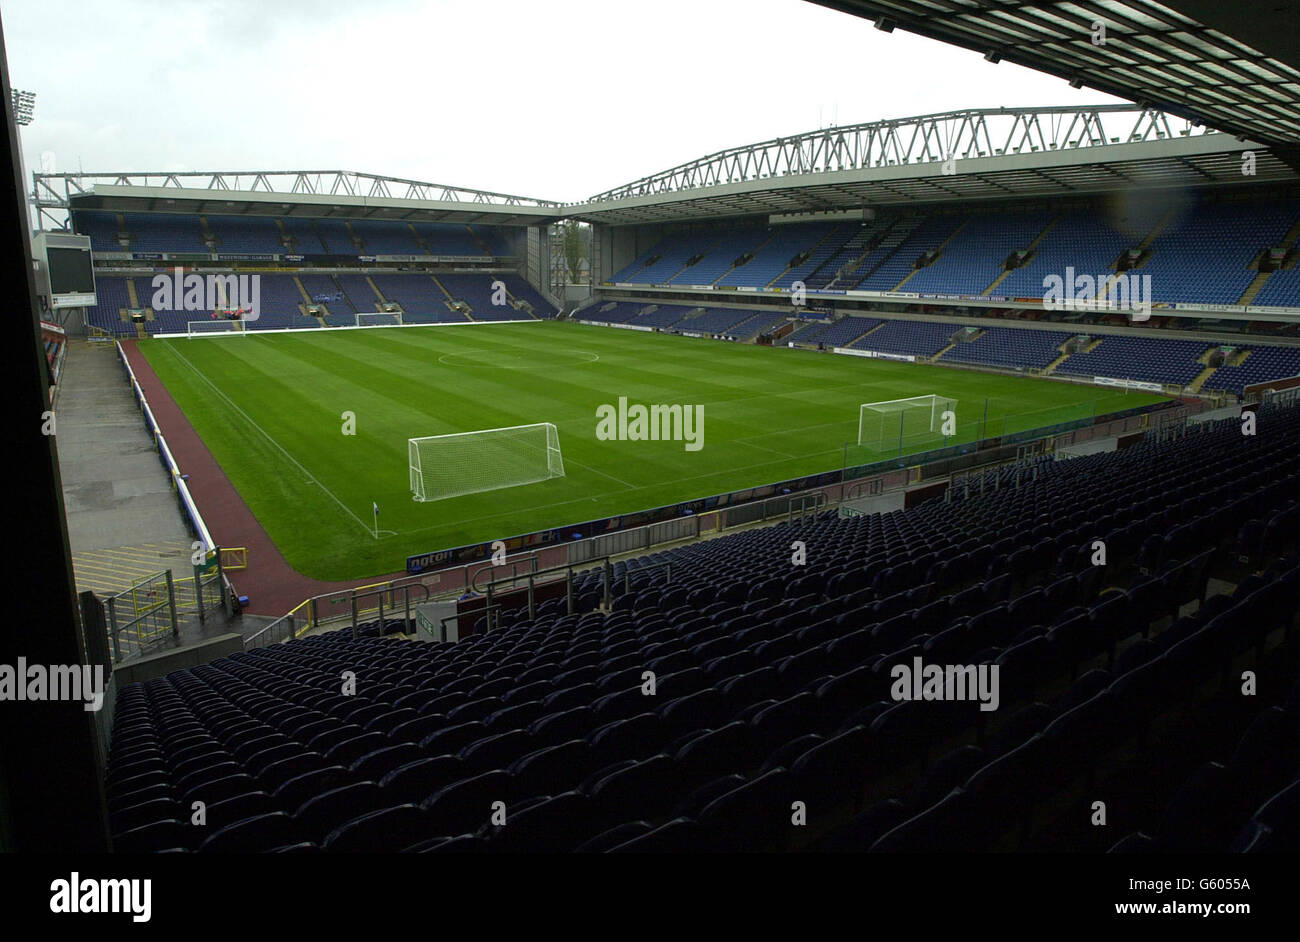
65, 276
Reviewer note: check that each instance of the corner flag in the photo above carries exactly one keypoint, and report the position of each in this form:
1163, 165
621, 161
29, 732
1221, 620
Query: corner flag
374, 506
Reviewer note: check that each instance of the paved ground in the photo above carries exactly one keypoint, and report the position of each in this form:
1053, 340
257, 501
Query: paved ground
123, 522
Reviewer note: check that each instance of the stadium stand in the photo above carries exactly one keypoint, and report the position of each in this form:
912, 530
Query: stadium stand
1010, 347
103, 230
1205, 258
447, 239
975, 254
163, 232
730, 246
718, 320
841, 333
420, 297
1262, 363
335, 237
915, 338
387, 238
784, 244
772, 685
246, 235
1146, 358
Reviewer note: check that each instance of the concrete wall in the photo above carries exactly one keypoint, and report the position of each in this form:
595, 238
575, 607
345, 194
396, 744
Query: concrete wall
191, 655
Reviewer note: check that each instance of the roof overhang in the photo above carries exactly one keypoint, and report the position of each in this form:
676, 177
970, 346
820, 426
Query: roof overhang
1176, 163
1233, 65
120, 198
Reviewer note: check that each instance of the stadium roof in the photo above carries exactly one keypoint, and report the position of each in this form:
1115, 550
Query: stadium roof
978, 154
314, 193
1232, 64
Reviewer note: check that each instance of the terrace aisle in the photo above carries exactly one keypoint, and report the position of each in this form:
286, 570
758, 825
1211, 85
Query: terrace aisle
123, 523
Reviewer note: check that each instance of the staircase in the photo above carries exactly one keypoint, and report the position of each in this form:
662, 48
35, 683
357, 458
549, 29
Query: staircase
482, 246
867, 240
207, 236
868, 333
445, 293
954, 343
1151, 236
1051, 367
938, 250
1028, 248
1288, 242
285, 239
751, 253
343, 291
712, 245
415, 237
811, 252
1254, 287
895, 236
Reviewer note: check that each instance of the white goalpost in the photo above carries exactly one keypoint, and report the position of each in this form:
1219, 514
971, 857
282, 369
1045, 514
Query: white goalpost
379, 319
461, 463
214, 328
884, 425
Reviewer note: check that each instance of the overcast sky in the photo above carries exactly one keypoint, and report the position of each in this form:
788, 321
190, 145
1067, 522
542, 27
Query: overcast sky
555, 100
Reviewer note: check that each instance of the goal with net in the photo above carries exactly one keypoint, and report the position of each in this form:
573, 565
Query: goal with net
214, 328
445, 466
886, 425
379, 319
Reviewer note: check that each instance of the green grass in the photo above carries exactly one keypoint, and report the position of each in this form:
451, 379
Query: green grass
270, 408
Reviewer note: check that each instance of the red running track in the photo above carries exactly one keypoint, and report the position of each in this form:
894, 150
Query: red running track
273, 586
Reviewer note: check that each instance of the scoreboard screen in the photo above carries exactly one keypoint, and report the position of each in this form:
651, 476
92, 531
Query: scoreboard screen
65, 275
70, 271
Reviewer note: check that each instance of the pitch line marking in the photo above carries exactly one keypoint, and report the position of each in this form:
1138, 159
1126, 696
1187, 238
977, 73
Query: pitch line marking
267, 436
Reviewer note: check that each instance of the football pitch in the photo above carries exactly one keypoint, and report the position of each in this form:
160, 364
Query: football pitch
312, 427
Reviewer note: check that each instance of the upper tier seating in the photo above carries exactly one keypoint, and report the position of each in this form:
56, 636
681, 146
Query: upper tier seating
261, 235
102, 229
387, 238
976, 253
246, 235
164, 232
1200, 255
1204, 257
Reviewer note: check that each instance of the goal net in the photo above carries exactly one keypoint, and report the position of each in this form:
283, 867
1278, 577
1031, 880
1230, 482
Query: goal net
885, 425
445, 466
212, 328
377, 319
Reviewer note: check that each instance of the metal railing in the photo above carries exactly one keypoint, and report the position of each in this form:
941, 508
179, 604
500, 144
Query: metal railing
544, 578
142, 616
348, 608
